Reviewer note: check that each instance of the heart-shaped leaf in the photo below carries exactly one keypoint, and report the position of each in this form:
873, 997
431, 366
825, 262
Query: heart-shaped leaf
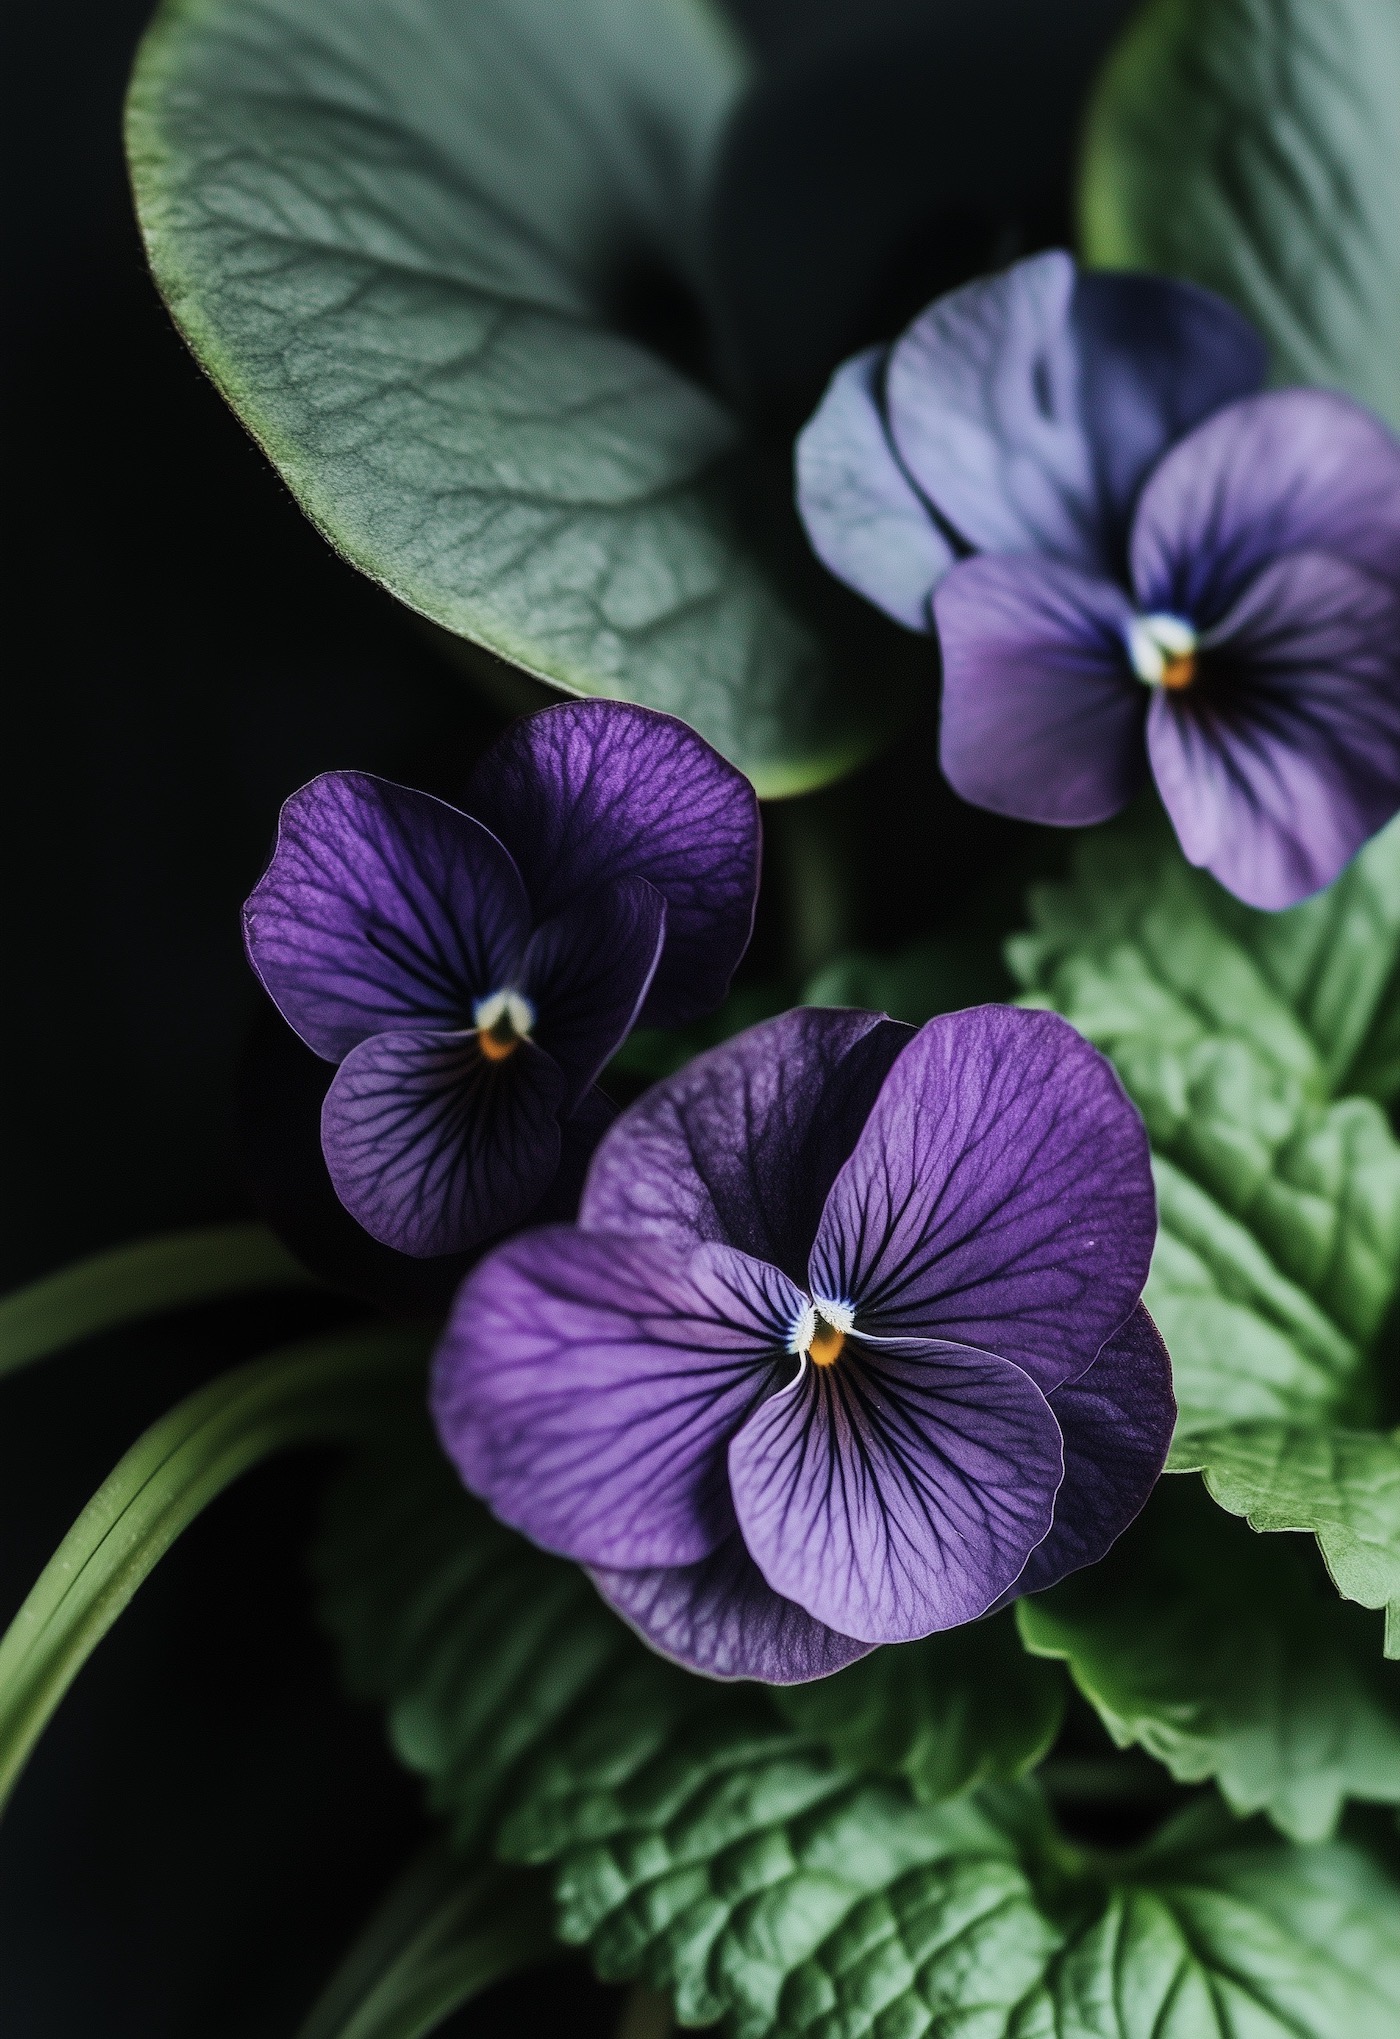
1254, 146
406, 238
1228, 1656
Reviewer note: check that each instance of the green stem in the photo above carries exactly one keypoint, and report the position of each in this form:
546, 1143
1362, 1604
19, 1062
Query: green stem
813, 840
443, 1934
136, 1281
326, 1389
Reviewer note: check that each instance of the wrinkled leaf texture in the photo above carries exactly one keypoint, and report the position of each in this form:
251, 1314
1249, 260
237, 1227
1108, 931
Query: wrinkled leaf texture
397, 234
1253, 145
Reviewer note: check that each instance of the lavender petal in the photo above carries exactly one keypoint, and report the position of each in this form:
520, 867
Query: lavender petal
586, 1387
432, 1148
592, 792
1283, 756
898, 1491
866, 521
743, 1143
721, 1618
1000, 1196
1041, 717
381, 908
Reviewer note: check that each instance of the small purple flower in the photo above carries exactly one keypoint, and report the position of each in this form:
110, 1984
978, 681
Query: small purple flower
472, 972
1133, 559
846, 1346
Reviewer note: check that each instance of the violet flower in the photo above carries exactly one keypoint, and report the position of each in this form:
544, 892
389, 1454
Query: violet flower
846, 1345
1132, 559
472, 972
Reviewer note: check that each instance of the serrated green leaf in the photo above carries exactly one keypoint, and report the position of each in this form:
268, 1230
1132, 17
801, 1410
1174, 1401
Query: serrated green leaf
735, 1865
1254, 146
1208, 1938
743, 1872
395, 233
964, 1708
1279, 1252
1343, 1485
1227, 1656
480, 1647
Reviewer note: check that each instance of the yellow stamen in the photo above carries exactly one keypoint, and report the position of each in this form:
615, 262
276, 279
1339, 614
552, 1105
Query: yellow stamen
826, 1343
497, 1042
1179, 672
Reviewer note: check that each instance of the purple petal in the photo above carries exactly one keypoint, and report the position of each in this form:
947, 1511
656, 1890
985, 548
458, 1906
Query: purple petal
999, 1196
586, 1388
743, 1144
1157, 357
1294, 470
594, 791
983, 398
381, 908
587, 971
900, 1490
1116, 1421
721, 1617
434, 1149
867, 523
1041, 717
1283, 757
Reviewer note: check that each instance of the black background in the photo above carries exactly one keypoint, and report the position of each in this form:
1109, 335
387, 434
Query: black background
207, 1821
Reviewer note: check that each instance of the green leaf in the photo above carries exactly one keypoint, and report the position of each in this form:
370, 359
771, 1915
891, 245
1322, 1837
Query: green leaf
968, 1707
130, 1282
657, 1051
400, 236
323, 1389
1205, 1936
480, 1647
443, 1934
1279, 1251
760, 1883
1343, 1485
1227, 1656
1254, 146
939, 974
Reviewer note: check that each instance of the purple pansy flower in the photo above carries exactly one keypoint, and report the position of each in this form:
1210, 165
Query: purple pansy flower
846, 1346
472, 972
1133, 559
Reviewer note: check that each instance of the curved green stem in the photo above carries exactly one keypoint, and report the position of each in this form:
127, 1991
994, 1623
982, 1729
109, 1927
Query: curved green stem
443, 1934
324, 1389
134, 1281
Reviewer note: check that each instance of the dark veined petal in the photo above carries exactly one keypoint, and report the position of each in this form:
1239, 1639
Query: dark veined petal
1283, 757
1157, 356
721, 1617
586, 972
899, 1490
1041, 716
381, 908
1116, 1421
586, 1388
983, 396
866, 521
432, 1148
1000, 1196
594, 791
1293, 470
743, 1143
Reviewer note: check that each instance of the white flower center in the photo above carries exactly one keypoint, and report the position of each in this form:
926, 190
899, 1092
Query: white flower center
821, 1330
1162, 650
503, 1021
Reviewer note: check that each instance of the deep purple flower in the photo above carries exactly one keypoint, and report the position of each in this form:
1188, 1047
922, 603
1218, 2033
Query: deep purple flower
1132, 559
846, 1346
472, 972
